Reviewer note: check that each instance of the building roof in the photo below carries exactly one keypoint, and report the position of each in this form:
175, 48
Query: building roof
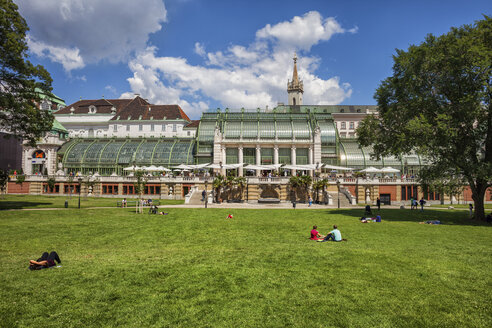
138, 110
103, 106
127, 109
193, 125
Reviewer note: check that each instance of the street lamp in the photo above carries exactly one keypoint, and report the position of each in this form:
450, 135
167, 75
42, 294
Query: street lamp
338, 186
80, 188
206, 193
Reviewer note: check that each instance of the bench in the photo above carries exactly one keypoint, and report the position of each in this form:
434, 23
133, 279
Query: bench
133, 203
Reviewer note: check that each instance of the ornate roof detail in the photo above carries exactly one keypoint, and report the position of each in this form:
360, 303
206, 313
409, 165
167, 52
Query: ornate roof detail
295, 84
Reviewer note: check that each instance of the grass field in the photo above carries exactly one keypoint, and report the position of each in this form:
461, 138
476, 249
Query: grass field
34, 201
195, 268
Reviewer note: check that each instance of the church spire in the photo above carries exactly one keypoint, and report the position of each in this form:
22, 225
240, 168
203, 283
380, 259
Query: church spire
295, 78
295, 88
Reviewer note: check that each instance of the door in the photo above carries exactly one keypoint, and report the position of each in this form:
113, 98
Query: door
385, 199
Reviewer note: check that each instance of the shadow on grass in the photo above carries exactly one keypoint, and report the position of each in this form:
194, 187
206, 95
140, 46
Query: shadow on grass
15, 205
395, 215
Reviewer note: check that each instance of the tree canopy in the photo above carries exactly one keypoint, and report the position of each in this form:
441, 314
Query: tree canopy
19, 79
437, 103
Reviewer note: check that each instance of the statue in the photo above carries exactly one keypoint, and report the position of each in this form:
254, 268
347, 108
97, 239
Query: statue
368, 196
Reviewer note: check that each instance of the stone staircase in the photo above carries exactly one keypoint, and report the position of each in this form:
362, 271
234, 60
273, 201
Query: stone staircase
196, 198
344, 202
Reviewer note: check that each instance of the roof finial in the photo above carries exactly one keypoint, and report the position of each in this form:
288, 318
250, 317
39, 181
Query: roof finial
295, 78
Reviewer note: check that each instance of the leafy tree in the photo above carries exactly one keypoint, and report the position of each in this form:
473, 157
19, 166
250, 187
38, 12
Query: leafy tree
4, 178
20, 179
437, 103
19, 78
240, 183
294, 182
139, 185
51, 182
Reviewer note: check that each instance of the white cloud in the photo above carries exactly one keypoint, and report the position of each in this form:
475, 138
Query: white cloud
74, 33
111, 89
239, 76
199, 49
69, 57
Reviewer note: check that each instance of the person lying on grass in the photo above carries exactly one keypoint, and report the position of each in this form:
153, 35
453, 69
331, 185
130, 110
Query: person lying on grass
315, 235
45, 261
431, 222
334, 235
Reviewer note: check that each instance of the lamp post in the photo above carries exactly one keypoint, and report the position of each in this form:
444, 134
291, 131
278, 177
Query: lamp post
206, 193
338, 186
80, 189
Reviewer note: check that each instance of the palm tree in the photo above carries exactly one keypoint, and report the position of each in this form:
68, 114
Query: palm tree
240, 183
230, 182
306, 182
218, 184
294, 183
320, 184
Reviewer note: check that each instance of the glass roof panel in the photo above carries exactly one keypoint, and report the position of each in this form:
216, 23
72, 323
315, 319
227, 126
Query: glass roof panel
143, 156
92, 153
353, 155
75, 154
182, 152
232, 129
110, 153
328, 133
267, 129
301, 129
250, 129
127, 152
162, 152
284, 129
369, 161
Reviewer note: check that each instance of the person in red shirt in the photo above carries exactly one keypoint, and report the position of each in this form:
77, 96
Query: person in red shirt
315, 235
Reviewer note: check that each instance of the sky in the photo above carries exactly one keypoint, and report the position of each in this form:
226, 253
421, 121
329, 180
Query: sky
207, 54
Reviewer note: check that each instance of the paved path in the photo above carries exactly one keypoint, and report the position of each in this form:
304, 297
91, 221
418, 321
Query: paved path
234, 206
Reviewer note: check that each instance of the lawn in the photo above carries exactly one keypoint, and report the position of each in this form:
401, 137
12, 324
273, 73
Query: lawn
33, 201
195, 268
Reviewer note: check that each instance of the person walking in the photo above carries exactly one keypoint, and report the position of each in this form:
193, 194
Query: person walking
378, 203
422, 203
470, 207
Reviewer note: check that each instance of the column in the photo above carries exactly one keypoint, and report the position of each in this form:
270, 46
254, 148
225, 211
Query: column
258, 159
240, 159
310, 158
293, 158
275, 154
223, 160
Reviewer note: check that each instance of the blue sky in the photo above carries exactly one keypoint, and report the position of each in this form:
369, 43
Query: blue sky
208, 54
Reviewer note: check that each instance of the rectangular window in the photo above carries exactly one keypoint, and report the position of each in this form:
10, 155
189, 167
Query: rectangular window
351, 125
343, 126
163, 127
249, 155
152, 127
116, 128
232, 155
127, 128
302, 156
140, 127
266, 156
128, 190
188, 133
174, 128
284, 155
110, 189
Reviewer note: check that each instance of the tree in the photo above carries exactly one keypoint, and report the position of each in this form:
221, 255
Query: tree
19, 79
437, 103
218, 183
139, 185
294, 182
4, 178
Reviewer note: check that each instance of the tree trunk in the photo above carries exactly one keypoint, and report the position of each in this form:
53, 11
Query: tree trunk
478, 194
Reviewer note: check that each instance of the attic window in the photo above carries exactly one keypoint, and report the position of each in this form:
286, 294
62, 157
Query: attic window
140, 117
113, 110
45, 105
92, 110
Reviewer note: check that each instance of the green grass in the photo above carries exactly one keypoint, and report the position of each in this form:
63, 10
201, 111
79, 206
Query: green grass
33, 201
195, 268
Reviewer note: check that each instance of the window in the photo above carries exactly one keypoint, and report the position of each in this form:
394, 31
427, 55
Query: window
152, 127
127, 128
110, 189
48, 190
128, 190
115, 128
92, 110
174, 128
343, 126
152, 189
163, 127
45, 105
140, 127
188, 133
351, 125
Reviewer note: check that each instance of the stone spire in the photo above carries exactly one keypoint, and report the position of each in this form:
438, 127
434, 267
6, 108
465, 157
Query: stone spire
295, 88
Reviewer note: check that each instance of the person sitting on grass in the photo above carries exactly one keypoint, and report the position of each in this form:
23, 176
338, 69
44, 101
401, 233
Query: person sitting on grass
315, 235
162, 213
431, 222
334, 235
45, 261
